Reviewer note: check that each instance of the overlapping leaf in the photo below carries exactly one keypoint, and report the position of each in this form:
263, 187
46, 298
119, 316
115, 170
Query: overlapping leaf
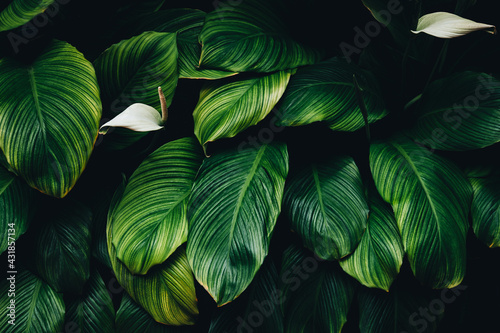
326, 92
326, 206
227, 107
379, 255
49, 117
38, 308
149, 223
232, 212
459, 112
317, 295
431, 200
250, 36
19, 12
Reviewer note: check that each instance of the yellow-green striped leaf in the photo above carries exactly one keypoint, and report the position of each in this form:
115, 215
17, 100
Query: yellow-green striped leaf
227, 107
19, 12
251, 37
233, 207
149, 223
376, 261
431, 199
326, 92
49, 117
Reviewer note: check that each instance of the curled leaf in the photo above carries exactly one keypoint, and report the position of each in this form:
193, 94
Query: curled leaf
137, 117
448, 25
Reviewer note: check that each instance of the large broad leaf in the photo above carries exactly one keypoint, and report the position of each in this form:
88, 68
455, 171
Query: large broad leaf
227, 107
17, 204
93, 311
149, 223
167, 292
49, 117
327, 207
132, 70
431, 200
29, 305
317, 295
326, 92
19, 12
379, 255
486, 209
63, 247
250, 37
257, 309
232, 212
459, 112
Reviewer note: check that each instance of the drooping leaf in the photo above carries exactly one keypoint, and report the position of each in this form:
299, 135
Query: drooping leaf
63, 247
232, 211
326, 92
250, 37
431, 199
149, 223
227, 107
19, 12
459, 112
17, 205
376, 261
485, 209
49, 117
132, 70
448, 25
137, 117
93, 311
317, 295
259, 310
326, 206
37, 307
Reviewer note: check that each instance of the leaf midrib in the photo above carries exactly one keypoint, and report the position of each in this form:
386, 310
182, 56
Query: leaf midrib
319, 191
34, 91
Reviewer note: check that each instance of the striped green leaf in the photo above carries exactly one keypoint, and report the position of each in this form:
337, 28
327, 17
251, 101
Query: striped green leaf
38, 308
431, 199
19, 12
149, 223
63, 246
376, 261
49, 117
485, 209
17, 205
317, 295
93, 311
250, 37
132, 70
459, 112
233, 207
227, 107
327, 208
326, 92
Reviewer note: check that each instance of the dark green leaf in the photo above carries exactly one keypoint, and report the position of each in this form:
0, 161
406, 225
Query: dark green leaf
19, 12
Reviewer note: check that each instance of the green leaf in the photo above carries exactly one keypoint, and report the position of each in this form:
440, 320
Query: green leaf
327, 208
326, 92
232, 211
19, 12
250, 37
132, 70
431, 199
49, 117
376, 261
459, 112
63, 246
167, 292
149, 223
38, 308
485, 209
17, 205
317, 294
227, 107
93, 311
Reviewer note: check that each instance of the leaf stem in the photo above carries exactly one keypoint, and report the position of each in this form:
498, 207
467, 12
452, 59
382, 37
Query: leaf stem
164, 109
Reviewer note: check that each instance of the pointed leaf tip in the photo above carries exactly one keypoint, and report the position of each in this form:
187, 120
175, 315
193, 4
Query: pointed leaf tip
137, 117
448, 25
